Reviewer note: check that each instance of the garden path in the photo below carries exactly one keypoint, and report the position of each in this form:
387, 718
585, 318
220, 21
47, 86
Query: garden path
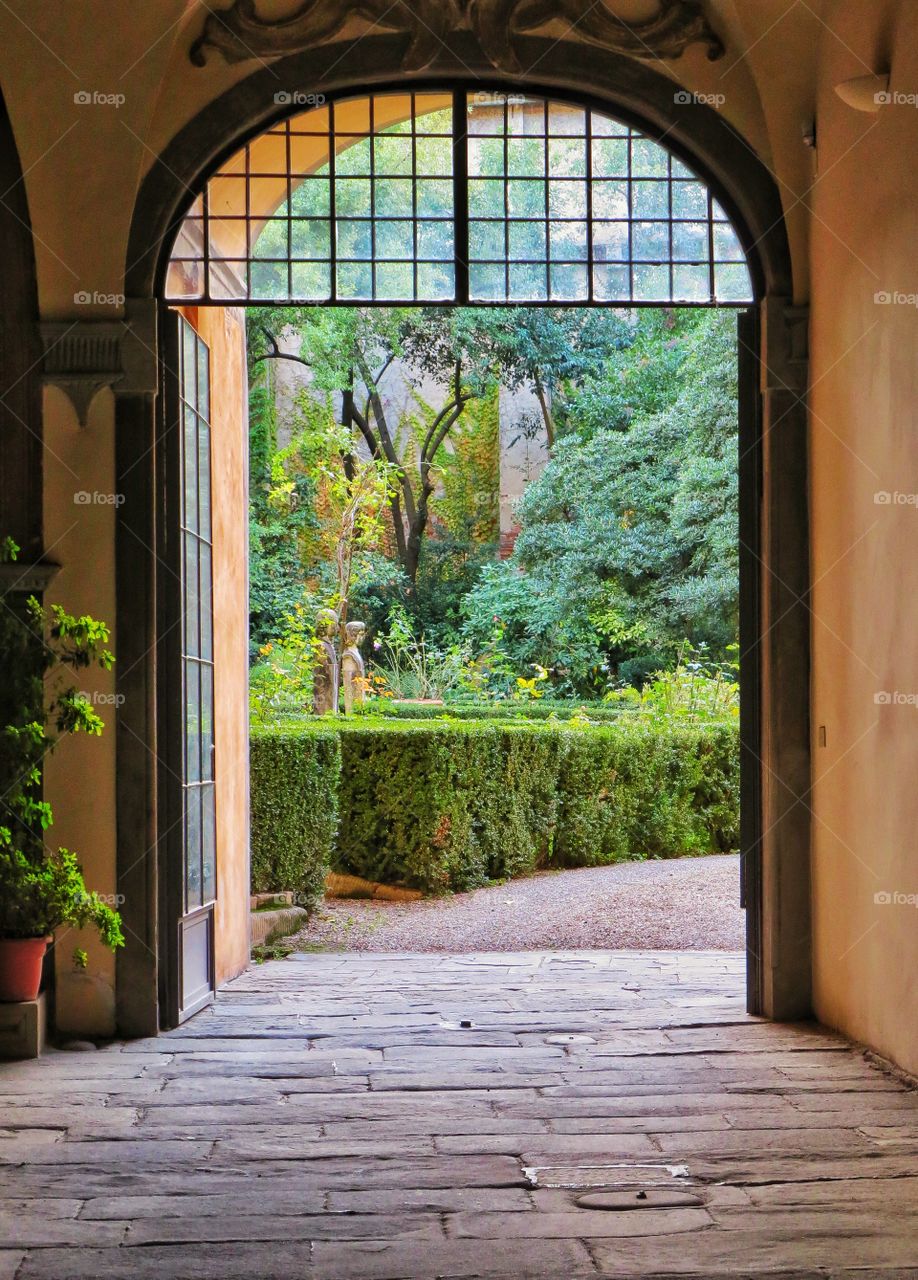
675, 903
541, 1115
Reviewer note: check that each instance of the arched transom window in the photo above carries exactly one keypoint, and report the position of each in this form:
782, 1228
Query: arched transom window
442, 197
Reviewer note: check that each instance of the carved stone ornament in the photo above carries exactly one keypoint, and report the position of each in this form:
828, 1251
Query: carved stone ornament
239, 33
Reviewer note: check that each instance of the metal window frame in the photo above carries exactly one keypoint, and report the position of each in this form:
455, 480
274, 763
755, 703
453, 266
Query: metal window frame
462, 215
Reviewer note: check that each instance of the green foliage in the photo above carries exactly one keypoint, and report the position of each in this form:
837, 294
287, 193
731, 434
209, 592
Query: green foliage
412, 666
629, 536
41, 648
295, 775
506, 709
698, 690
449, 805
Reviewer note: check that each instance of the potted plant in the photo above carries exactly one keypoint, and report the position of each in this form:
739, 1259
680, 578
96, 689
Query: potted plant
41, 888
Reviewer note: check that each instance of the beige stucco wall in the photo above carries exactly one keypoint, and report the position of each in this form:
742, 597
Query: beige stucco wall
864, 442
853, 217
80, 512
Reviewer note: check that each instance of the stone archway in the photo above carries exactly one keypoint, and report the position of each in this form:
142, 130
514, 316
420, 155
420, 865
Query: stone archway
774, 532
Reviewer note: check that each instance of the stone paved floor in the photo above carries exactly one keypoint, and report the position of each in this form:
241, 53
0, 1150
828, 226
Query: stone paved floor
510, 1115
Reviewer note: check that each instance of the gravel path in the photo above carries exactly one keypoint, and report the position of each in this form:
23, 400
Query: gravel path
679, 904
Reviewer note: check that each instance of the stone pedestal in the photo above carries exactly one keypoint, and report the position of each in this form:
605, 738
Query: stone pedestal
23, 1028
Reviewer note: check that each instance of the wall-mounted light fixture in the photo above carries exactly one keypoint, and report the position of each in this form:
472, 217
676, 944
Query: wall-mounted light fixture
865, 93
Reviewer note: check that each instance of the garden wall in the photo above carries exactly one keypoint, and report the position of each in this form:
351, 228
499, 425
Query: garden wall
448, 806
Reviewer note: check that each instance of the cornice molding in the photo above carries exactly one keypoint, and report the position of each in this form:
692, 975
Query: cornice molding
239, 33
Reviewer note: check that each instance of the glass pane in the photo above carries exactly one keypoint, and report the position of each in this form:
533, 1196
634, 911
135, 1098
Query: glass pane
191, 638
610, 241
690, 200
487, 283
526, 198
435, 240
310, 238
208, 844
207, 721
394, 239
205, 602
355, 280
436, 282
192, 848
732, 283
691, 284
610, 158
227, 282
727, 247
611, 284
395, 281
354, 239
312, 198
528, 282
192, 722
311, 281
203, 380
648, 159
434, 156
526, 157
650, 241
203, 443
486, 157
650, 199
392, 155
189, 383
269, 281
651, 284
486, 112
567, 199
352, 156
190, 458
610, 200
393, 197
486, 198
488, 240
527, 241
434, 196
690, 241
567, 158
353, 197
564, 119
568, 283
568, 240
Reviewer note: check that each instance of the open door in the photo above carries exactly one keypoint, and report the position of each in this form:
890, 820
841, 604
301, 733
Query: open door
188, 891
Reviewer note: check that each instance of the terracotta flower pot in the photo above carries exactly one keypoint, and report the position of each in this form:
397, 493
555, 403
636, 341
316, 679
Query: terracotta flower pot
20, 967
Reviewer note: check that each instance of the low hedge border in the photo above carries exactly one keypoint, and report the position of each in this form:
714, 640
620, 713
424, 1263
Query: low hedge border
295, 780
443, 806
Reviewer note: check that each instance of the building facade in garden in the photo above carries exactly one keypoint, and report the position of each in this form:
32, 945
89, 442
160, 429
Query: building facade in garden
160, 179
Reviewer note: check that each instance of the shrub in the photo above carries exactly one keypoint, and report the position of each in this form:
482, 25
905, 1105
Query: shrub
295, 775
451, 805
510, 709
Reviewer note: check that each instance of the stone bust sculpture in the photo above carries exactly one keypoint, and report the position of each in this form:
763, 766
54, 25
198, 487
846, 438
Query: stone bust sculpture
352, 667
325, 676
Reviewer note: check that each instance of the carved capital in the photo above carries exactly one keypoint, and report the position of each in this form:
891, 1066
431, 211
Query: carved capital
240, 33
83, 356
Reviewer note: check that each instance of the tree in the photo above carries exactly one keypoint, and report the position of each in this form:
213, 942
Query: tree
629, 537
468, 352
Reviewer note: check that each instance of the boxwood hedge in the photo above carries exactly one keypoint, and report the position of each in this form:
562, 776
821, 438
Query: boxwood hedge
295, 782
442, 805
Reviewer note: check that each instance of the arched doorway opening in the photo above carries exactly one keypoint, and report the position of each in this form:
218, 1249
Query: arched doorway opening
220, 240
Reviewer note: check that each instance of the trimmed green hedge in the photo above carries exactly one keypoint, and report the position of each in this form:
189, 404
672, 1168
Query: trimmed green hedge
295, 780
440, 806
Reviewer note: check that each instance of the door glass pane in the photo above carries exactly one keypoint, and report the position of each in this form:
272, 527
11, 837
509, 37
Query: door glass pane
208, 844
192, 600
190, 452
192, 722
193, 897
207, 721
203, 443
